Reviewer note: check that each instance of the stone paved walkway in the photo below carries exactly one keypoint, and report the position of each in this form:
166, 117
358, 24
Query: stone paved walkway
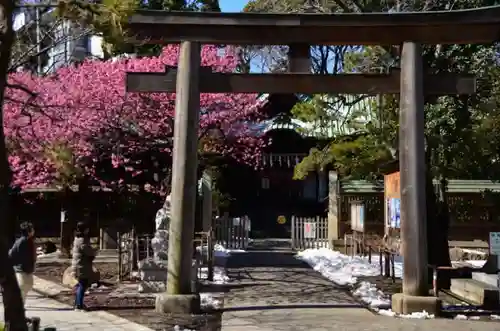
64, 318
277, 278
341, 319
273, 291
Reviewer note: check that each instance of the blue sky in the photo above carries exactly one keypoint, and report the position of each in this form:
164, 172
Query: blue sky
232, 5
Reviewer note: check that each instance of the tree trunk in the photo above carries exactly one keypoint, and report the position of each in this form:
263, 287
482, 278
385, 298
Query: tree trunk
14, 316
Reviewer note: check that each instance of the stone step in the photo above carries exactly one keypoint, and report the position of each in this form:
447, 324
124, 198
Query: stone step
490, 279
478, 292
107, 252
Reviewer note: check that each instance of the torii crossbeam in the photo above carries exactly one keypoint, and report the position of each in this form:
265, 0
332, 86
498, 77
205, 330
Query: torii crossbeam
215, 82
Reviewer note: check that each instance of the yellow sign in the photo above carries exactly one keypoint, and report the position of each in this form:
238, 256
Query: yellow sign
281, 219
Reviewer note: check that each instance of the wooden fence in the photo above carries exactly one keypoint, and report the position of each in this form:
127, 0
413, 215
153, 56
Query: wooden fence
309, 232
232, 232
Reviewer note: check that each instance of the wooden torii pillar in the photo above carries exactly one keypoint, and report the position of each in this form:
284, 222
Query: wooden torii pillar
412, 171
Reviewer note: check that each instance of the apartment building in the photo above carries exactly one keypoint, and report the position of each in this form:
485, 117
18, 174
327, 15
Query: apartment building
46, 42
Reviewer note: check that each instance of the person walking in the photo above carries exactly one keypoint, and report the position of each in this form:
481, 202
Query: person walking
82, 259
23, 257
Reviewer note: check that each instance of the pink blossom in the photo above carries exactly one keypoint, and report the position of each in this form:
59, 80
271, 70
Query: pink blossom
82, 115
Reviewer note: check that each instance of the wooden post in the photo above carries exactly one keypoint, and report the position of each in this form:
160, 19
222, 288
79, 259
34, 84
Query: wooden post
120, 257
381, 261
412, 167
184, 170
333, 208
101, 238
299, 58
387, 263
206, 191
393, 271
65, 235
210, 255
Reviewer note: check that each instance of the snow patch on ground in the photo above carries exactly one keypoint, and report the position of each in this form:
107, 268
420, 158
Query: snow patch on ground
208, 301
219, 250
371, 295
344, 270
178, 328
220, 276
40, 253
476, 318
418, 315
211, 301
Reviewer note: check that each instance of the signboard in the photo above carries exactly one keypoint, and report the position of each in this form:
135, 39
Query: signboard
281, 219
395, 213
495, 243
309, 230
391, 191
495, 249
391, 185
243, 222
358, 216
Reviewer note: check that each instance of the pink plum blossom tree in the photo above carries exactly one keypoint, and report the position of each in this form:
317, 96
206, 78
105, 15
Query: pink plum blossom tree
67, 125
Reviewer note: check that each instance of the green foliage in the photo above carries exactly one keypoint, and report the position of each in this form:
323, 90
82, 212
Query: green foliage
169, 5
63, 159
461, 131
353, 157
221, 200
107, 18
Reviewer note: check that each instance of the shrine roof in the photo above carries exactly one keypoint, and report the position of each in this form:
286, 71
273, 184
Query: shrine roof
481, 25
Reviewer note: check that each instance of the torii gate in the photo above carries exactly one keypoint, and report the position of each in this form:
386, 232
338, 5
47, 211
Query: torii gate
299, 31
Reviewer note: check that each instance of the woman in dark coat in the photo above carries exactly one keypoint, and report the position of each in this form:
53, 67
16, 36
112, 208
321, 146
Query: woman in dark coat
83, 256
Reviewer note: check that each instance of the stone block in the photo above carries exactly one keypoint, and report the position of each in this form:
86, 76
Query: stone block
490, 279
407, 304
152, 264
151, 287
477, 292
153, 275
178, 303
157, 270
153, 270
159, 244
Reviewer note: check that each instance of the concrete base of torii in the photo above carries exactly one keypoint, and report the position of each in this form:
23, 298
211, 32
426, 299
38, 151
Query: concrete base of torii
178, 304
406, 304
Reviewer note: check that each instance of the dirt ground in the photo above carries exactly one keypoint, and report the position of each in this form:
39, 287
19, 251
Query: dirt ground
53, 271
136, 309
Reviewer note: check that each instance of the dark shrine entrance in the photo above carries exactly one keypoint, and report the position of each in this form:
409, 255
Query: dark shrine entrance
405, 31
277, 196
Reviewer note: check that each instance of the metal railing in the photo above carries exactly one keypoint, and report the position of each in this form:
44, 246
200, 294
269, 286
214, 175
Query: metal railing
134, 248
